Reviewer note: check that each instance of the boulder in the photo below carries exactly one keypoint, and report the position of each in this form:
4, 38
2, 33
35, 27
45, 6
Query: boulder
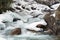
57, 12
49, 31
50, 20
57, 23
16, 19
41, 26
16, 31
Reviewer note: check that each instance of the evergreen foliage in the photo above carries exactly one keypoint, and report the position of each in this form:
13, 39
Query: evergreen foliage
5, 5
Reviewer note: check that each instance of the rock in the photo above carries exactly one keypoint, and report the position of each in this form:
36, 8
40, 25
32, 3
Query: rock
26, 0
53, 23
46, 30
33, 8
2, 26
49, 31
18, 8
48, 10
41, 26
16, 31
4, 21
37, 16
23, 7
57, 12
18, 4
57, 23
28, 9
15, 19
49, 19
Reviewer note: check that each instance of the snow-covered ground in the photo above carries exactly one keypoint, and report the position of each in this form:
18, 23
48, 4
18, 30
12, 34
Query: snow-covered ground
28, 20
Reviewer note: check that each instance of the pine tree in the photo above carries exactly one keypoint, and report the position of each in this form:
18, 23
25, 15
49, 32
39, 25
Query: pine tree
5, 5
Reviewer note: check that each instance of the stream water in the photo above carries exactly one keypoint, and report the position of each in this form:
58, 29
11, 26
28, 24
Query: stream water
26, 17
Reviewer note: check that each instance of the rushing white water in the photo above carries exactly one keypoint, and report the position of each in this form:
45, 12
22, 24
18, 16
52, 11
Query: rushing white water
27, 21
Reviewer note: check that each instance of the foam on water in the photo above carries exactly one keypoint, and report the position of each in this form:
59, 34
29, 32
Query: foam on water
27, 21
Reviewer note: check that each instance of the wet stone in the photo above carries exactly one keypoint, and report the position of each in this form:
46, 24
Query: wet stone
16, 19
16, 31
1, 28
58, 22
33, 8
41, 26
18, 4
18, 8
28, 9
23, 7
